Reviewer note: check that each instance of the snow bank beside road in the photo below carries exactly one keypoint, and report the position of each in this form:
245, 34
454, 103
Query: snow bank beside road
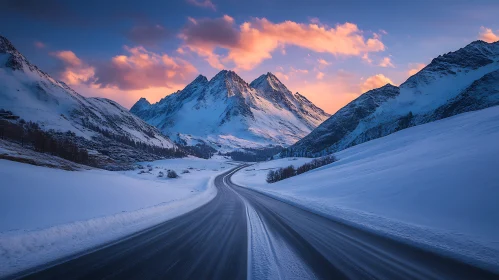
436, 185
49, 213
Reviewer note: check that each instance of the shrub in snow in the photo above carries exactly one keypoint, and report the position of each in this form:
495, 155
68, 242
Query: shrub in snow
141, 172
185, 171
172, 174
161, 174
287, 172
316, 163
281, 174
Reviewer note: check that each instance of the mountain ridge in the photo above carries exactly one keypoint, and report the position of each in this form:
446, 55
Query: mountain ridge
34, 95
453, 83
232, 114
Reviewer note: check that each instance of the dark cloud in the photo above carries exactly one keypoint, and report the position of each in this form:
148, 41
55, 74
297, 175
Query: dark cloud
148, 34
218, 31
203, 3
49, 10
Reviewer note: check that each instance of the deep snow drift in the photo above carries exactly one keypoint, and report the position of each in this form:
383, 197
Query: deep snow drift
435, 185
48, 213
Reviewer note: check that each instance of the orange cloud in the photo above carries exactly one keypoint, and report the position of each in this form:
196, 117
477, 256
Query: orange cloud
73, 70
320, 75
415, 68
487, 35
367, 59
125, 78
254, 41
375, 81
386, 62
142, 69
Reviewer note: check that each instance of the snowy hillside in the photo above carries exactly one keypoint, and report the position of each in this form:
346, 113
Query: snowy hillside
228, 113
49, 219
35, 96
457, 82
435, 185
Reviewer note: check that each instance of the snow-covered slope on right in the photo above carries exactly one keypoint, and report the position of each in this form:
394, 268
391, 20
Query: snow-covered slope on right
453, 83
435, 185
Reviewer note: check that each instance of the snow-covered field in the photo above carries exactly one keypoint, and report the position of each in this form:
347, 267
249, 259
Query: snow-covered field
435, 185
48, 213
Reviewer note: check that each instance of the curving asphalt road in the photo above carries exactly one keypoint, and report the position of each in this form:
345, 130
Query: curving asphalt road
285, 242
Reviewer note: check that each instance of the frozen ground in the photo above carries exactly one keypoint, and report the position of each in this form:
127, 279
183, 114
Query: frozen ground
49, 213
435, 185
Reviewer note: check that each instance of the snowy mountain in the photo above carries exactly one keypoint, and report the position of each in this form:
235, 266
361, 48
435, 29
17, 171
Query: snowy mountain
229, 114
454, 83
35, 96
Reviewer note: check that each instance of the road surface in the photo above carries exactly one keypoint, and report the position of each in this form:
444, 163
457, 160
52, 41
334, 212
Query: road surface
242, 234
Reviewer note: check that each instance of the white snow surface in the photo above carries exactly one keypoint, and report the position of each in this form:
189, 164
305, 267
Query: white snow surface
50, 213
434, 185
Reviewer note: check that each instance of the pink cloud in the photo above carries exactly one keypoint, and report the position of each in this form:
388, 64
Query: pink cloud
281, 75
323, 63
137, 70
254, 41
415, 68
39, 45
487, 35
367, 59
72, 69
375, 81
386, 62
203, 3
142, 69
320, 75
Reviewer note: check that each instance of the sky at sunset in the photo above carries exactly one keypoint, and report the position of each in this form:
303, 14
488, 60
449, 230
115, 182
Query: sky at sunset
329, 51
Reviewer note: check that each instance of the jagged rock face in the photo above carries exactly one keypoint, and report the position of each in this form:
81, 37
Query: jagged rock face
454, 83
229, 113
35, 96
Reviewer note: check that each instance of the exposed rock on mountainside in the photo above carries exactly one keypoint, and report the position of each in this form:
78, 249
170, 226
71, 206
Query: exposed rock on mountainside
454, 83
110, 131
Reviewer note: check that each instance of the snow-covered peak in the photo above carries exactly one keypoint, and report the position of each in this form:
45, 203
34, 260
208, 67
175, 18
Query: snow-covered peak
229, 113
142, 104
228, 76
226, 84
6, 46
387, 86
35, 96
269, 82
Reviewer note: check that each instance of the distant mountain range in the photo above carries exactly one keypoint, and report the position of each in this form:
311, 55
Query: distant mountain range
454, 83
104, 127
229, 114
